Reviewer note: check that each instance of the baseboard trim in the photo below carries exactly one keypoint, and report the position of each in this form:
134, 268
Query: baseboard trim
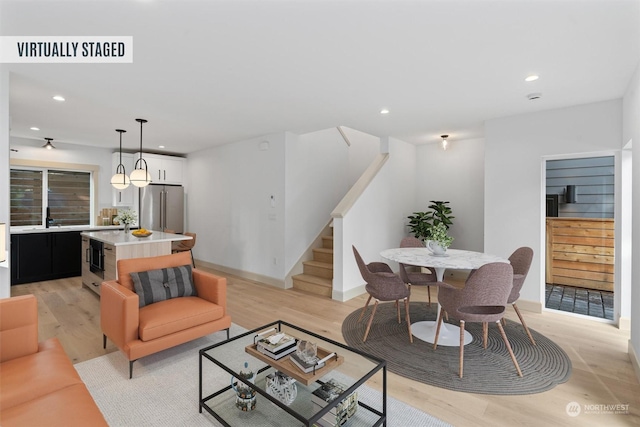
633, 356
351, 293
243, 274
624, 323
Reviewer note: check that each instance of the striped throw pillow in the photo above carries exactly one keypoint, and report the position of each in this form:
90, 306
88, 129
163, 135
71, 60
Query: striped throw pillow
163, 284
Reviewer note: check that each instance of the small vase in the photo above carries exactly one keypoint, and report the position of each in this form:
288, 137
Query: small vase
127, 227
435, 247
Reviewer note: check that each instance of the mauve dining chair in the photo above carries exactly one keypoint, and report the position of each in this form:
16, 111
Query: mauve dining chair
417, 278
483, 299
520, 260
383, 285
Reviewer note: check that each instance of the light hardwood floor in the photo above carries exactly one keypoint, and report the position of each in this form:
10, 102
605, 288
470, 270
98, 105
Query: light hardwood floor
602, 372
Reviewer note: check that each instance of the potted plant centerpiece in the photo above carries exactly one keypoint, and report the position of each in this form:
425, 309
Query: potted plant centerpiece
440, 240
423, 225
126, 217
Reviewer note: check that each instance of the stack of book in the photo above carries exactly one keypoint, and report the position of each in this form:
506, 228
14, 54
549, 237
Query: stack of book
276, 345
305, 366
339, 414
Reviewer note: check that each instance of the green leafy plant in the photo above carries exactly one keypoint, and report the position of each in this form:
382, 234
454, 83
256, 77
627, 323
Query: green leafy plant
422, 223
440, 236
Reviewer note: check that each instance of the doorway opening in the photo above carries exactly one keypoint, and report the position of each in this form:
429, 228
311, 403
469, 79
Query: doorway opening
580, 236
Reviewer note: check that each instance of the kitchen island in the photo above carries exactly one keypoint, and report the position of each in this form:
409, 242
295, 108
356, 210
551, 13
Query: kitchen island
101, 251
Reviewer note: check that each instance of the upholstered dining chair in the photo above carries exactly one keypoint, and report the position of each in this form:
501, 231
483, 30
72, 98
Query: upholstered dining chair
483, 299
417, 278
383, 285
185, 245
520, 260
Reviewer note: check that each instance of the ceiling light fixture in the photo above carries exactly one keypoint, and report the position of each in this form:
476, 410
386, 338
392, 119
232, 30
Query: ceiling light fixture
34, 128
531, 78
59, 98
48, 145
445, 143
140, 176
384, 111
120, 180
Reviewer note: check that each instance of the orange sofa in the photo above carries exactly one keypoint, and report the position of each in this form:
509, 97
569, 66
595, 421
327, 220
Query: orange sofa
38, 384
141, 331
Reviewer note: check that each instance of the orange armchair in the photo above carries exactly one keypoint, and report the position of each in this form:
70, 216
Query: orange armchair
141, 331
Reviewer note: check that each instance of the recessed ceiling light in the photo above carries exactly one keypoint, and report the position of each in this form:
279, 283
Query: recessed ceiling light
59, 98
384, 111
160, 146
34, 128
531, 78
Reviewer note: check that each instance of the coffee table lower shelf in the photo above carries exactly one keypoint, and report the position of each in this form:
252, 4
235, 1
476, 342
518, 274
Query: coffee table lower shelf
221, 405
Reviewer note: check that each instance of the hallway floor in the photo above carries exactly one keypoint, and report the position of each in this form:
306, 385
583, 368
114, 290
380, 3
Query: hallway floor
580, 301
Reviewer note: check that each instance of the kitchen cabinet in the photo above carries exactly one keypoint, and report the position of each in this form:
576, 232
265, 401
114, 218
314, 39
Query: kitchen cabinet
164, 169
45, 256
123, 197
65, 248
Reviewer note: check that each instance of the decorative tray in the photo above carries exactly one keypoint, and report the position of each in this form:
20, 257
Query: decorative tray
286, 366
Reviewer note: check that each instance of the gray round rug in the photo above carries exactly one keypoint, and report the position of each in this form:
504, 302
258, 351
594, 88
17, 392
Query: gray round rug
489, 371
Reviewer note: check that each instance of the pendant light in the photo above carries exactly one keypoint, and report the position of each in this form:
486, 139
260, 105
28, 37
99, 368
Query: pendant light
120, 180
48, 145
140, 176
445, 143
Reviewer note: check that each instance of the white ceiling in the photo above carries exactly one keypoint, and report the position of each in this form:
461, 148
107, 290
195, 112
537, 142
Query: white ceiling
213, 72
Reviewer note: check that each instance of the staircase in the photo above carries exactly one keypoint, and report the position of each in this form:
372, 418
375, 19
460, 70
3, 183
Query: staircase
317, 274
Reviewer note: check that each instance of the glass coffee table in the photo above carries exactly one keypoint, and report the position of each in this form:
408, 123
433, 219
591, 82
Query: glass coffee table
241, 386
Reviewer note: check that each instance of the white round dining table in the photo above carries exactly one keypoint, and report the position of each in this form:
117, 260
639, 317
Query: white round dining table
453, 259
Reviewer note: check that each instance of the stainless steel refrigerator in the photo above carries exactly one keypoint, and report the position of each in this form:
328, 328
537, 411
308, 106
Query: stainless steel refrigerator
162, 207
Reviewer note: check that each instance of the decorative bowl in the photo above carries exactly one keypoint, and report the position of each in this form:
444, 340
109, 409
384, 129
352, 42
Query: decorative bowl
138, 233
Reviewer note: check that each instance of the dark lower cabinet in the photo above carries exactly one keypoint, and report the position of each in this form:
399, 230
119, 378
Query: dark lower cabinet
45, 256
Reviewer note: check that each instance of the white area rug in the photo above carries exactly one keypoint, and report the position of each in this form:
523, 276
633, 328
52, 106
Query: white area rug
164, 389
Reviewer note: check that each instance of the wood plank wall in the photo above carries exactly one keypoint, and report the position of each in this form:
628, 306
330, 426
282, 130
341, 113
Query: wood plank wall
580, 252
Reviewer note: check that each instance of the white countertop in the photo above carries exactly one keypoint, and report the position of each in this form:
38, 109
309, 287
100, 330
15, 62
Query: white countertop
60, 229
119, 237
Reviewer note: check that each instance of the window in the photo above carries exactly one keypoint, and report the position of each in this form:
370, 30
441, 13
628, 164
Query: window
26, 197
67, 194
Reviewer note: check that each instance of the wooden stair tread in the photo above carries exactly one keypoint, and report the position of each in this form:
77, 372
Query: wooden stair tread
313, 279
318, 264
323, 250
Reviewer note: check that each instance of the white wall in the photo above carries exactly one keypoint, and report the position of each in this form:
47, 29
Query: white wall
315, 181
229, 205
456, 175
5, 275
362, 151
377, 219
631, 132
229, 202
320, 169
514, 150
